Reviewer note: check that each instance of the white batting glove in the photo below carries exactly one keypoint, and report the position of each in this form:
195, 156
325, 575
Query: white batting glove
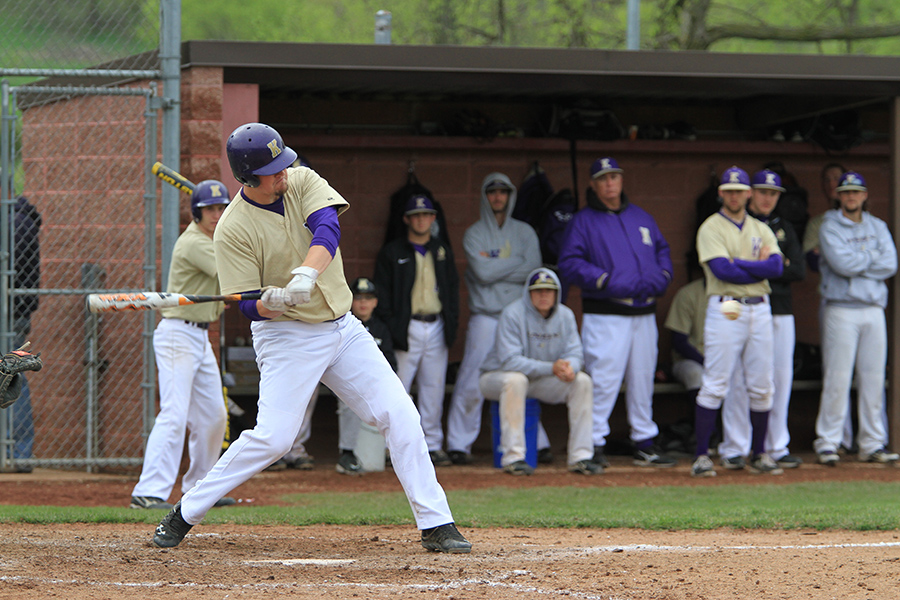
301, 285
276, 299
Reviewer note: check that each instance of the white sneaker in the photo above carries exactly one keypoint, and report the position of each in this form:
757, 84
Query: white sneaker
703, 467
880, 456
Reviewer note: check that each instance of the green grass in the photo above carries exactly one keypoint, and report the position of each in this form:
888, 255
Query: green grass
853, 506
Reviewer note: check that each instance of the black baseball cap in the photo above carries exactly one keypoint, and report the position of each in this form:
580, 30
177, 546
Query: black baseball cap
363, 285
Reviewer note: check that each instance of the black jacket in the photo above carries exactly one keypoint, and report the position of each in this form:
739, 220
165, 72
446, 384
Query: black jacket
382, 336
794, 264
28, 257
395, 273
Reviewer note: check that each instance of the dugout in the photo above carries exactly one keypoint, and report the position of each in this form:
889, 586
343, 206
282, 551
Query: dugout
365, 116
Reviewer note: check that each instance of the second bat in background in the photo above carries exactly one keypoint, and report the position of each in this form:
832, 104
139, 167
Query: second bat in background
173, 177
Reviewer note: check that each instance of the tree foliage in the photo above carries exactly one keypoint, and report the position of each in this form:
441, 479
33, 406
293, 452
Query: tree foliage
811, 26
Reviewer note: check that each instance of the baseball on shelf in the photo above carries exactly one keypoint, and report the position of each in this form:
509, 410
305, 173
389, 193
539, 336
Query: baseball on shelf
731, 309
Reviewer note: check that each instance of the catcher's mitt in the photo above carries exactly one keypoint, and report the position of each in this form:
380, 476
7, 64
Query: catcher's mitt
11, 365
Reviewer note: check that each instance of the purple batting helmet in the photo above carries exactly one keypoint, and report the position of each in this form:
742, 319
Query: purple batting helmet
207, 193
256, 149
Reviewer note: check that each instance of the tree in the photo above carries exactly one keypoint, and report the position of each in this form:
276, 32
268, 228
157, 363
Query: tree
702, 24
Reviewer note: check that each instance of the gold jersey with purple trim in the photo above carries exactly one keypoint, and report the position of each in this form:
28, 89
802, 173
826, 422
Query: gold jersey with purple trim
257, 248
193, 271
719, 236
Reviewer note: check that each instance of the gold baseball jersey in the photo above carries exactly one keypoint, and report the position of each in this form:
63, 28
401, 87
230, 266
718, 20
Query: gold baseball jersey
424, 295
719, 236
687, 314
258, 248
193, 271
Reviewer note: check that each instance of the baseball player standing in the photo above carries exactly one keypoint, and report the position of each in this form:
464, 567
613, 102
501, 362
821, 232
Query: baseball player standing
280, 234
616, 254
830, 177
500, 253
190, 382
418, 299
857, 256
738, 254
764, 197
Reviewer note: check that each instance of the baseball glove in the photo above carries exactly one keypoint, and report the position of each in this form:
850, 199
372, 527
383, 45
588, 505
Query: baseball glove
11, 366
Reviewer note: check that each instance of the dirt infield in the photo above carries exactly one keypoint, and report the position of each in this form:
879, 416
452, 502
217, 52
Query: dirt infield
116, 561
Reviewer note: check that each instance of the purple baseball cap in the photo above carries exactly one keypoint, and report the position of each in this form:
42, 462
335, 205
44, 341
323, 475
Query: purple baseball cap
851, 180
419, 204
734, 178
602, 166
767, 180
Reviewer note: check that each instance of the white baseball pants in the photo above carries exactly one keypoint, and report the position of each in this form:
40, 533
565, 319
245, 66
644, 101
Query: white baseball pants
426, 363
746, 344
293, 357
511, 388
688, 372
615, 348
190, 398
298, 448
852, 336
736, 408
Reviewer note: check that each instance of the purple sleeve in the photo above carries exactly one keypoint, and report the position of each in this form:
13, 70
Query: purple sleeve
683, 346
725, 270
770, 268
325, 228
249, 310
812, 259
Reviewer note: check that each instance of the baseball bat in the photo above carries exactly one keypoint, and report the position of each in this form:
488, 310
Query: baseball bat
173, 177
98, 303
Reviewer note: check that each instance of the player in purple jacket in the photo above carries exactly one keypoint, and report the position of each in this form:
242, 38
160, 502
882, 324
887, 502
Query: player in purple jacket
615, 253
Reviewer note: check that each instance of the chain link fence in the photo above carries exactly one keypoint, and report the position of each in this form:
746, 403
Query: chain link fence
78, 215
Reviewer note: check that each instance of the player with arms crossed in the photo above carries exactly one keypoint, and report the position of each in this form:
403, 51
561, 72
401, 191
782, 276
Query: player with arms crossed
858, 255
190, 383
738, 254
280, 234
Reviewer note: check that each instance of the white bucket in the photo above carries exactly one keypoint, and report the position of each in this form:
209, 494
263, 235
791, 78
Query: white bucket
370, 448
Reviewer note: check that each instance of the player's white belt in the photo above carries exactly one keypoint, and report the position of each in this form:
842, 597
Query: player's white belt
744, 299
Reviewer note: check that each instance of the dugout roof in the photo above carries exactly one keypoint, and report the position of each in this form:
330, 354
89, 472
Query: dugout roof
759, 83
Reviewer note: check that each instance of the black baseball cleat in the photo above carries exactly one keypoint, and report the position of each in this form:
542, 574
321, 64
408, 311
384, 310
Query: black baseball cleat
149, 502
172, 529
445, 538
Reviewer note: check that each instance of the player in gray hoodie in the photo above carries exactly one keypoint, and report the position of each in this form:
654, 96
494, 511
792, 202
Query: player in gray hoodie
500, 253
858, 255
538, 354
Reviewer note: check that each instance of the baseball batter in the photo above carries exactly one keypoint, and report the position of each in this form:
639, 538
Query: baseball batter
738, 254
190, 382
280, 234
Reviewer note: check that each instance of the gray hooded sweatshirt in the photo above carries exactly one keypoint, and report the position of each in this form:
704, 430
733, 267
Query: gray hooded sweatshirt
857, 258
528, 343
499, 258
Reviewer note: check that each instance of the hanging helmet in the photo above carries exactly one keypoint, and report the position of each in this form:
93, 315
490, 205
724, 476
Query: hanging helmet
256, 149
207, 193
